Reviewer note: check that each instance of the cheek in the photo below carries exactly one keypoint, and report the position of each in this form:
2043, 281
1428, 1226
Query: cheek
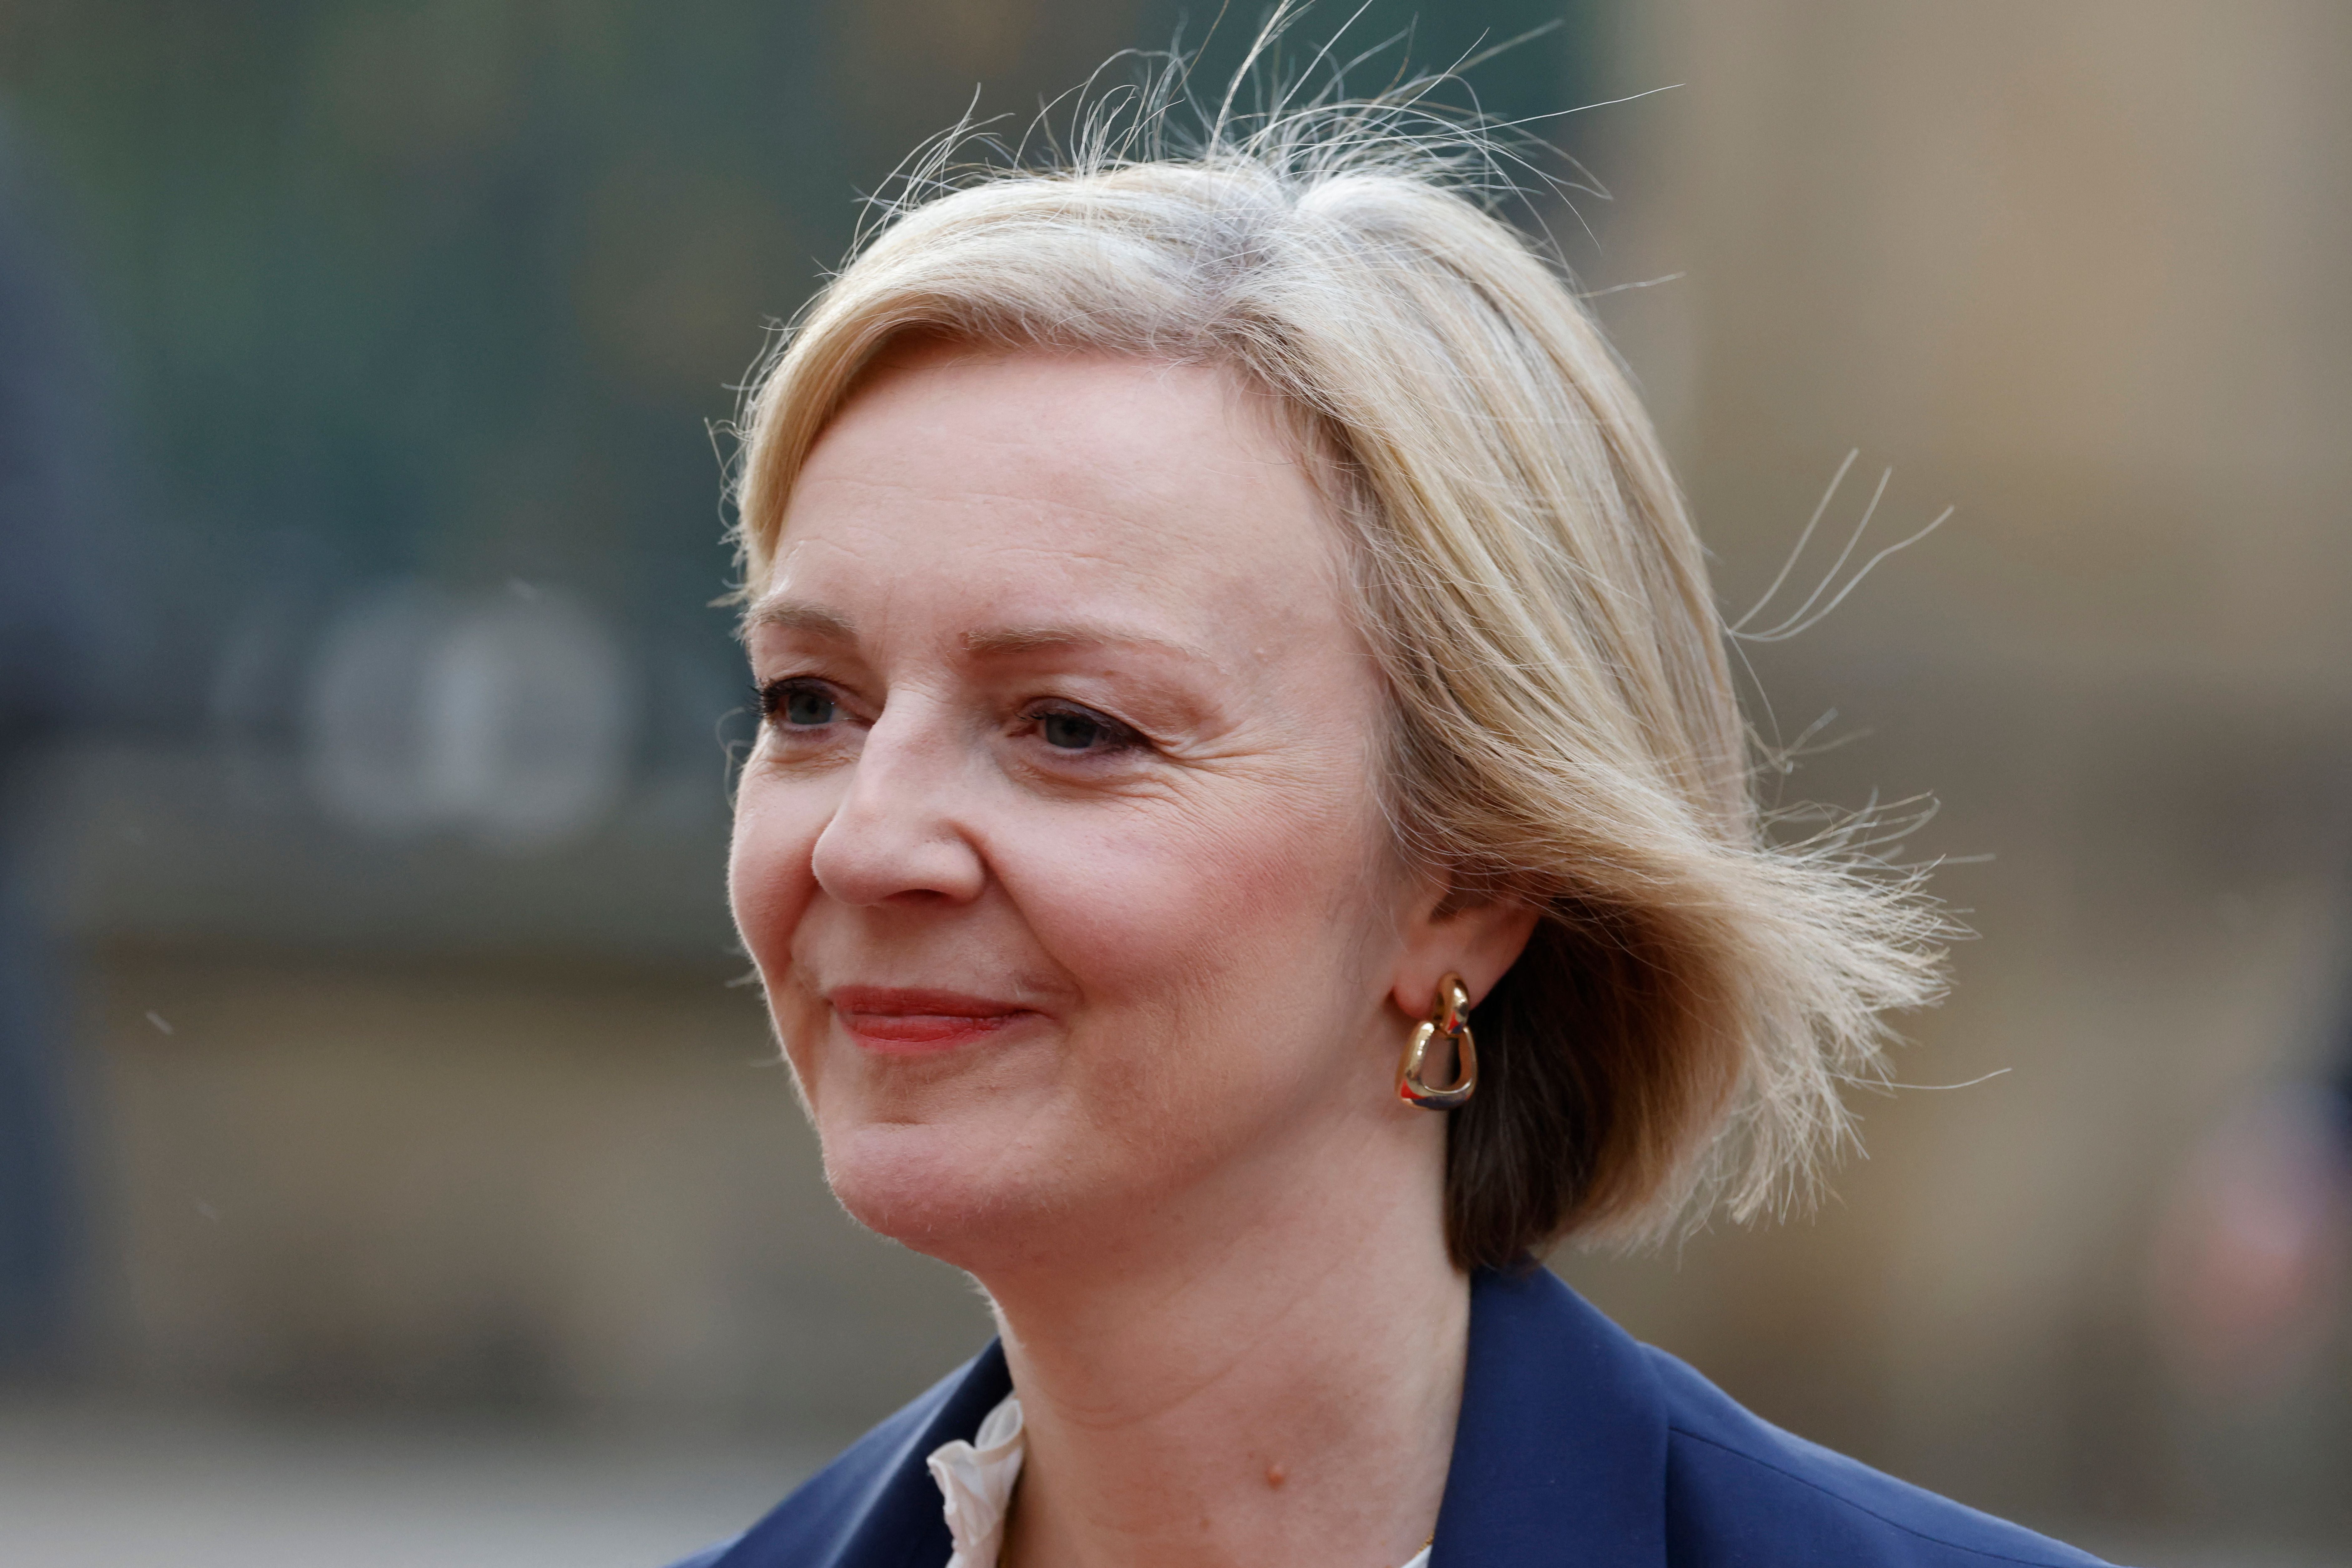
769, 880
769, 887
1238, 931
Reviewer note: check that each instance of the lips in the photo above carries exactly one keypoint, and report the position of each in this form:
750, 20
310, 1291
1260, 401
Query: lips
891, 1021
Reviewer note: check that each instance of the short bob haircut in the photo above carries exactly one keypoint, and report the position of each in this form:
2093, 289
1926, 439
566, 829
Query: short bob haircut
1565, 730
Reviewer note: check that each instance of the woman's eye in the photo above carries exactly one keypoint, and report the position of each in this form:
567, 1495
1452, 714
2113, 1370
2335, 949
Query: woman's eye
798, 704
1076, 730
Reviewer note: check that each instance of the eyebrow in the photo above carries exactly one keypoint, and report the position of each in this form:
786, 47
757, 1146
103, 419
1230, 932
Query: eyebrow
1043, 639
799, 616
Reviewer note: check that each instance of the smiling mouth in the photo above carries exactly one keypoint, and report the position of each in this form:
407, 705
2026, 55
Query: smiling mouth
891, 1021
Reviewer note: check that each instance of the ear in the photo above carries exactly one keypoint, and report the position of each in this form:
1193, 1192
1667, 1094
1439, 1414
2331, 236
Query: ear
1477, 942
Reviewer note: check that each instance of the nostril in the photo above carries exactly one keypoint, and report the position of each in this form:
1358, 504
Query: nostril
897, 850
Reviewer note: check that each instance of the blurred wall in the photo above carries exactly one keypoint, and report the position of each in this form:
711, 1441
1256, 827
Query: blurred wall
2076, 270
563, 1187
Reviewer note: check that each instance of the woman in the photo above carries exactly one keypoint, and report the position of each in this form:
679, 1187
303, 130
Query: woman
1250, 844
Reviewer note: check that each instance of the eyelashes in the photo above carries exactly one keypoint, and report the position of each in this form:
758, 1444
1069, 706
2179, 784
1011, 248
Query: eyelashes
1068, 728
797, 703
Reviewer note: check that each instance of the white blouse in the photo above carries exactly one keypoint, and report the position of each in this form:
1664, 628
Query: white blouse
976, 1482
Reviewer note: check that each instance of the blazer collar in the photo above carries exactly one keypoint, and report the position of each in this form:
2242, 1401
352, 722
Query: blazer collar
1560, 1454
1559, 1457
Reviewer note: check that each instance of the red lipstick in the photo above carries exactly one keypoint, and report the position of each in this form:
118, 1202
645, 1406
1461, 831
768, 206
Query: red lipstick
890, 1021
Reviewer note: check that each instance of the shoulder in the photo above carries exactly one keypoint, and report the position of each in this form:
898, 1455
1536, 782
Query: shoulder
1739, 1490
1579, 1443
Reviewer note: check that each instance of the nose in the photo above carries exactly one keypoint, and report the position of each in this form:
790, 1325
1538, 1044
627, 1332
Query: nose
898, 833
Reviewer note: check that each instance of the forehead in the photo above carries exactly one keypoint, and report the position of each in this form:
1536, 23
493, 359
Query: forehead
1032, 482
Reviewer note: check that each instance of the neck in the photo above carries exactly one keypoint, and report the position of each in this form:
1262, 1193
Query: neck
1284, 1392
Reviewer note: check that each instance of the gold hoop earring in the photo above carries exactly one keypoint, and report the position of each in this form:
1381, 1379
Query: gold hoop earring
1449, 1020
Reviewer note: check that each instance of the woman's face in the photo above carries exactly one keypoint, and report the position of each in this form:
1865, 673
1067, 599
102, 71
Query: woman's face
1060, 852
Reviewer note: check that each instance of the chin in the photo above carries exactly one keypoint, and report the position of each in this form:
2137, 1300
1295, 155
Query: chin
930, 1189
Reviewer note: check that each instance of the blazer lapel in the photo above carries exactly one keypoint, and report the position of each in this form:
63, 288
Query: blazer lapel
876, 1506
1560, 1456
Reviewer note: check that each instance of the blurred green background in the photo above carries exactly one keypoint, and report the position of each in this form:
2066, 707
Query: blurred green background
455, 289
408, 1181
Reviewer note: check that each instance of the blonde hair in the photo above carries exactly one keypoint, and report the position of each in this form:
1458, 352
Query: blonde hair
1566, 731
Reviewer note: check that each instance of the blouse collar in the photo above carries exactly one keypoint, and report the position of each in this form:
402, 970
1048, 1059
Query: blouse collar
976, 1481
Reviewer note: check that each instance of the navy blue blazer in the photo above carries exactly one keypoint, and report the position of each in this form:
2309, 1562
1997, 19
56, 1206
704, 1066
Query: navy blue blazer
1578, 1447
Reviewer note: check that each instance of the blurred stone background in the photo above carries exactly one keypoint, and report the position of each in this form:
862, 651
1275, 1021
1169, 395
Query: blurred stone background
2075, 270
401, 1165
